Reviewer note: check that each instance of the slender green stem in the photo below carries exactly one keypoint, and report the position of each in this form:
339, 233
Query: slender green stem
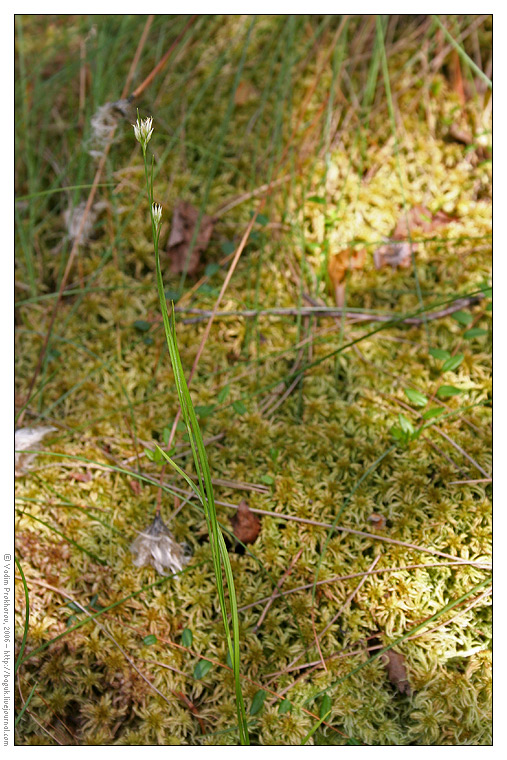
204, 489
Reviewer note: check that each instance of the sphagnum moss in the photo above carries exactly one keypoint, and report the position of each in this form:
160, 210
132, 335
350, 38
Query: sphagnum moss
345, 422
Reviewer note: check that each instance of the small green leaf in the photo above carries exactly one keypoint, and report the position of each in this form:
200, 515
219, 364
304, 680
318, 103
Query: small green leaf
396, 433
452, 363
267, 479
325, 706
149, 640
405, 424
445, 391
71, 620
204, 411
207, 289
187, 637
166, 434
149, 453
257, 702
273, 453
211, 269
228, 247
172, 295
223, 394
439, 353
157, 454
202, 667
415, 397
148, 340
142, 325
239, 407
284, 707
181, 427
431, 413
463, 317
475, 332
262, 220
316, 199
74, 607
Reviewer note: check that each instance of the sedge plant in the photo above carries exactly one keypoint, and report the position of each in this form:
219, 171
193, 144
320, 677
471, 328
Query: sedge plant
143, 130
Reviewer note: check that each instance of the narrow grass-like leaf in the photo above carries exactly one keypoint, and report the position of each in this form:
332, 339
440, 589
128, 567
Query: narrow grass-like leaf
27, 616
28, 700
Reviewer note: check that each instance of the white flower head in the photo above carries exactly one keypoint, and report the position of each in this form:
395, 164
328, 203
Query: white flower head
143, 130
157, 215
156, 546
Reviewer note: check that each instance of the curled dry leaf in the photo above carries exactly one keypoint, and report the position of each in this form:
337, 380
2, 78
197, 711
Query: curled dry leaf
397, 251
338, 265
396, 670
419, 218
245, 92
82, 477
378, 521
245, 524
394, 255
135, 487
184, 223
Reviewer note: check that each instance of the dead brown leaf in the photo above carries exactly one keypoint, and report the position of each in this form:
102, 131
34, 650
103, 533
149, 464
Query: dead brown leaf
135, 487
82, 477
245, 524
337, 268
396, 671
378, 521
457, 78
184, 222
419, 218
245, 92
397, 252
393, 255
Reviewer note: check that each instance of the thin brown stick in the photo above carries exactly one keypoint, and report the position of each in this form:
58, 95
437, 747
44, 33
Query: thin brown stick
103, 629
461, 450
315, 665
326, 311
238, 199
341, 529
160, 65
275, 591
336, 578
459, 482
446, 622
340, 612
244, 678
137, 55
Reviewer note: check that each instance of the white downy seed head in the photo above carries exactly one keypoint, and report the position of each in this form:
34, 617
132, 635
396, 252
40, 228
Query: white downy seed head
28, 438
156, 547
